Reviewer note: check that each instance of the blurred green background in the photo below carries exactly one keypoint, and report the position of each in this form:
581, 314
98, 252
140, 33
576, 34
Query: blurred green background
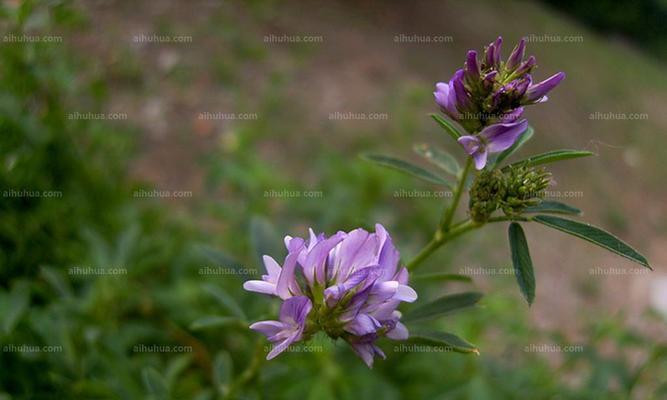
150, 152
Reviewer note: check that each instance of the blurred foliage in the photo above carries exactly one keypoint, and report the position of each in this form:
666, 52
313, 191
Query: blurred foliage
643, 21
101, 327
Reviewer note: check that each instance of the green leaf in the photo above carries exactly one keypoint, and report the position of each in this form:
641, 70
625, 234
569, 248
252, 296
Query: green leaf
265, 239
554, 207
213, 321
447, 126
549, 157
225, 300
218, 257
57, 280
175, 367
525, 136
13, 305
443, 305
155, 384
449, 341
439, 158
594, 235
223, 371
523, 265
439, 276
406, 167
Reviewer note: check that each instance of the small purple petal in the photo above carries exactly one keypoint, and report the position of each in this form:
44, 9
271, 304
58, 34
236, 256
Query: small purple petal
287, 281
517, 55
315, 263
400, 332
295, 310
389, 256
539, 90
500, 137
470, 143
471, 66
363, 324
260, 287
526, 66
405, 293
463, 101
268, 328
272, 268
480, 159
284, 345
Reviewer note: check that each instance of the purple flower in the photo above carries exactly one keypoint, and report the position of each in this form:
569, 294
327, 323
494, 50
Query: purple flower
492, 139
347, 285
484, 94
290, 328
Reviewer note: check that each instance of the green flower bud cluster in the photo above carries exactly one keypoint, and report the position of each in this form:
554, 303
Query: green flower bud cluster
511, 191
487, 192
525, 188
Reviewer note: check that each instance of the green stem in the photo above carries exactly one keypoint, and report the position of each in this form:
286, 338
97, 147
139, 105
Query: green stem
456, 230
248, 374
439, 239
451, 210
445, 231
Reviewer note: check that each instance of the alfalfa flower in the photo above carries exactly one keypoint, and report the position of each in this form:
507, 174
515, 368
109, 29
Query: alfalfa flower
348, 285
487, 98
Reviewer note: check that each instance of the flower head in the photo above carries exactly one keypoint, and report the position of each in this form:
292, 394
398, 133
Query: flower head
492, 92
347, 285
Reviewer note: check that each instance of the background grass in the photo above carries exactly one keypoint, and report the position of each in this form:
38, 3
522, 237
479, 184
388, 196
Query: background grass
242, 177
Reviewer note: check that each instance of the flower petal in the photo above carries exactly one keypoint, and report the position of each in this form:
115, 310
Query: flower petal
480, 159
470, 143
268, 328
260, 287
539, 90
502, 136
400, 332
295, 310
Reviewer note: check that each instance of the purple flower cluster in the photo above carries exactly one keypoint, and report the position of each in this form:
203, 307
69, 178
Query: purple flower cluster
487, 98
347, 285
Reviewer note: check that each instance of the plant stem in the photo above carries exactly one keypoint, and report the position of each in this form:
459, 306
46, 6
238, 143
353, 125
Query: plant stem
446, 231
451, 210
439, 239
